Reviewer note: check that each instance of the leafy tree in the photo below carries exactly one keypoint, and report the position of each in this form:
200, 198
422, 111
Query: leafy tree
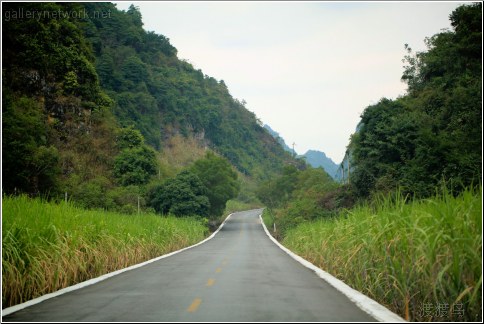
277, 192
134, 69
29, 163
129, 138
135, 166
432, 134
183, 195
219, 178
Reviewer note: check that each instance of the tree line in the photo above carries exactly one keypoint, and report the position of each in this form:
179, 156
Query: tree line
90, 103
420, 144
432, 136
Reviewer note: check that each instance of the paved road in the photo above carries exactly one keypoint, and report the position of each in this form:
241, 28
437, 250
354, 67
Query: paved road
239, 275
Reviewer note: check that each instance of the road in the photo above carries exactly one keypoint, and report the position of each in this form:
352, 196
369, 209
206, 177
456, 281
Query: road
239, 275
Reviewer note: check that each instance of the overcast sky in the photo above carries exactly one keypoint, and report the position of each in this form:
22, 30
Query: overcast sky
307, 69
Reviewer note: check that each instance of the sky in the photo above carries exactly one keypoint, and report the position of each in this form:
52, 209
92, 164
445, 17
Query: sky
307, 69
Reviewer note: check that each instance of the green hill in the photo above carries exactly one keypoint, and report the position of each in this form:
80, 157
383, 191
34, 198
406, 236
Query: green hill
75, 86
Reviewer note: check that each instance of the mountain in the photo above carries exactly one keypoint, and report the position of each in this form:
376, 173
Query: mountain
93, 106
314, 158
319, 159
279, 139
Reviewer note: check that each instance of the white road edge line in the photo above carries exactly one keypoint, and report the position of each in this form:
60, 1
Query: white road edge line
370, 306
16, 308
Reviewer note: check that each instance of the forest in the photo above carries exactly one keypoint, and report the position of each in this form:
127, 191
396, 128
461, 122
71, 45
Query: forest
419, 143
433, 134
94, 107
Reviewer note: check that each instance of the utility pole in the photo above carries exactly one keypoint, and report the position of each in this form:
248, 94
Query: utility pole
293, 151
138, 205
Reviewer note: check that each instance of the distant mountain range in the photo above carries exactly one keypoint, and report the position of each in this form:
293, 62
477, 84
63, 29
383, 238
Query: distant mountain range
315, 158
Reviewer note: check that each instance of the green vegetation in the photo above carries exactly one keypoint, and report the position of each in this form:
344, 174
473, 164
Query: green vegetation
298, 196
153, 90
46, 246
105, 111
432, 135
217, 176
202, 190
421, 252
95, 107
404, 254
183, 195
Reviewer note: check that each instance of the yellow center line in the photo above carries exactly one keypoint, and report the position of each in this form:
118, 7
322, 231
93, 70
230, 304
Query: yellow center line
218, 270
194, 306
210, 282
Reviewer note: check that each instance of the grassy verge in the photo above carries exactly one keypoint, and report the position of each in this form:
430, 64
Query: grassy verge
46, 247
422, 259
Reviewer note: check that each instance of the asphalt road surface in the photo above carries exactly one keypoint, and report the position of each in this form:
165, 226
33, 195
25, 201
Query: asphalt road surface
239, 275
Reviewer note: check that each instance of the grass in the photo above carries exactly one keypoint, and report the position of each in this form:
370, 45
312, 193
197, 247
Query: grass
421, 259
46, 247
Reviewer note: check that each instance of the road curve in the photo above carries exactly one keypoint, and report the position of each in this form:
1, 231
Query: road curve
239, 275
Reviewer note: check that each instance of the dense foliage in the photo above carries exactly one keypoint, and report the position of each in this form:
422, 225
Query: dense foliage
93, 103
298, 196
163, 96
432, 134
51, 98
217, 175
202, 190
183, 195
419, 143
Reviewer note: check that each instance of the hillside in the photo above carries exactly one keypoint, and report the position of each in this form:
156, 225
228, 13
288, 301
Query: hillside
319, 159
88, 98
279, 139
164, 96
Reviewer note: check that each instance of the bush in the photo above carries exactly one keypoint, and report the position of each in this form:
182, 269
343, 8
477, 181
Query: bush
135, 166
181, 196
91, 194
219, 178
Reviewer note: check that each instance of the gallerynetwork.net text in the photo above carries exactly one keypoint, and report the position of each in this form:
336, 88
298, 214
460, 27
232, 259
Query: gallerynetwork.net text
22, 13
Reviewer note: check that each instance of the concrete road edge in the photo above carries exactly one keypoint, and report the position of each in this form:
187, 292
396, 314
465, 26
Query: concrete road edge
370, 306
16, 308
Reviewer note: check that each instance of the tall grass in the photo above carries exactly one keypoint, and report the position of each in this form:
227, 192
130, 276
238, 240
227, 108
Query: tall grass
422, 259
46, 247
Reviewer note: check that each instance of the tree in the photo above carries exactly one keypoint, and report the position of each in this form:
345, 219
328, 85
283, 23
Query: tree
184, 195
434, 132
276, 192
29, 163
129, 138
135, 166
217, 175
